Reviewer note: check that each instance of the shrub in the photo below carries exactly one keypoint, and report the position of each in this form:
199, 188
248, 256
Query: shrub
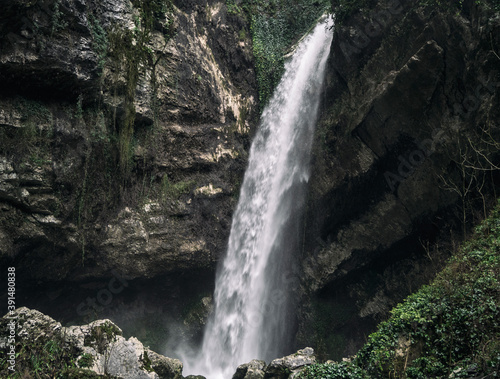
450, 328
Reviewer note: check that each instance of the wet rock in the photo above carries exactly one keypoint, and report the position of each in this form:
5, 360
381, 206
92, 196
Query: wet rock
166, 368
291, 365
252, 370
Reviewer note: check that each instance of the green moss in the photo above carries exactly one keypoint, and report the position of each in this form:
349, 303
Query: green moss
173, 191
100, 336
86, 360
100, 42
33, 112
45, 357
58, 19
242, 35
128, 51
147, 362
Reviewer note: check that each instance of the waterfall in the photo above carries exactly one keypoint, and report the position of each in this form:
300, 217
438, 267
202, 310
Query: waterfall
253, 310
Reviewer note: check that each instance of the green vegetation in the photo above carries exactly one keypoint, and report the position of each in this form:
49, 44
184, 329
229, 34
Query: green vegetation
450, 328
44, 357
126, 52
86, 360
232, 7
174, 190
58, 21
49, 356
147, 362
346, 8
30, 142
100, 42
101, 335
275, 26
343, 370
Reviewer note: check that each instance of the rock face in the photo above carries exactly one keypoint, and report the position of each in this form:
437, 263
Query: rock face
98, 347
409, 122
124, 132
124, 128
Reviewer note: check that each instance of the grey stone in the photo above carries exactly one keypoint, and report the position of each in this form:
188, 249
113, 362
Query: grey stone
291, 365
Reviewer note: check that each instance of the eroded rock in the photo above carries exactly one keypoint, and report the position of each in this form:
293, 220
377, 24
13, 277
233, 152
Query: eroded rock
252, 370
291, 365
98, 346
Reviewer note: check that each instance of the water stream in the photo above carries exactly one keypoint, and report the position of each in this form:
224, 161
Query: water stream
253, 313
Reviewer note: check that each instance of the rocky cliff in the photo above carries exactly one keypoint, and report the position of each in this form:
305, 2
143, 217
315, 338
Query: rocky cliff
124, 129
405, 159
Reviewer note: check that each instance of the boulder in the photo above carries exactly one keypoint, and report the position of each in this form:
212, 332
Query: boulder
98, 348
291, 365
252, 370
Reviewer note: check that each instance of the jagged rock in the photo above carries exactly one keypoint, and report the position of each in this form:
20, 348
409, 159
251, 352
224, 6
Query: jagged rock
163, 366
291, 365
252, 370
196, 317
32, 324
98, 346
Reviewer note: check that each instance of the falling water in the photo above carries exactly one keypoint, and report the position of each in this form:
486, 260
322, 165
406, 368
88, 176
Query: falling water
253, 309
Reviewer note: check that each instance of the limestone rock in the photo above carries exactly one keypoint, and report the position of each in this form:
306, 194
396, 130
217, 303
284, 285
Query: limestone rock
99, 344
291, 365
252, 370
166, 368
63, 202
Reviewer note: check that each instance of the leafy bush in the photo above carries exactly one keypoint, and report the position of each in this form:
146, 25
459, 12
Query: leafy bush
450, 328
344, 370
86, 360
43, 358
345, 8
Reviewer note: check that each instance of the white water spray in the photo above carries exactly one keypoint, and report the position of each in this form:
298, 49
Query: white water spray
252, 312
